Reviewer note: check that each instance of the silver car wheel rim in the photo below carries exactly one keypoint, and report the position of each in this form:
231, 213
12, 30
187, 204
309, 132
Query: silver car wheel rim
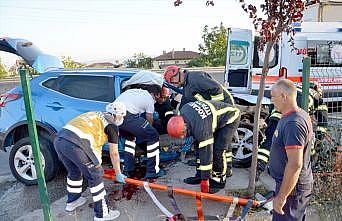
242, 144
24, 162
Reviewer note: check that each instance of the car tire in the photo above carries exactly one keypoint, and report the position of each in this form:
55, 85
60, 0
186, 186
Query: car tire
22, 165
242, 145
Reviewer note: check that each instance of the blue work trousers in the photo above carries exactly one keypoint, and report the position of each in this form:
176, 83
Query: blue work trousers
77, 164
296, 203
141, 130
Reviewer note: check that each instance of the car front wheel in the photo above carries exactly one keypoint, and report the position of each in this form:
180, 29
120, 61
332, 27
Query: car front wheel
22, 165
242, 145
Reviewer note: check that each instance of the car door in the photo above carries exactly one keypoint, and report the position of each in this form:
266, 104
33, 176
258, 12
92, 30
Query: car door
239, 60
70, 95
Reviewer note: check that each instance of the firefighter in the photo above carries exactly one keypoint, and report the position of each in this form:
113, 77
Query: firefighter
197, 82
319, 115
79, 146
212, 125
136, 128
163, 111
200, 85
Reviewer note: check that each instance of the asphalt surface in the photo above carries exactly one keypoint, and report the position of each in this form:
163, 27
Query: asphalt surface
4, 167
7, 85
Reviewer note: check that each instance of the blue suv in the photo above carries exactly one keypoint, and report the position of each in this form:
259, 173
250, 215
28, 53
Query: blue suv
58, 95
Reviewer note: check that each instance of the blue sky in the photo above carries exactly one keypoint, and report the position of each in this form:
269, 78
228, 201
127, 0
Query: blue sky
109, 30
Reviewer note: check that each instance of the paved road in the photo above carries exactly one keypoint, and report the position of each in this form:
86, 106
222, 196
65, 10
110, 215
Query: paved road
4, 167
5, 86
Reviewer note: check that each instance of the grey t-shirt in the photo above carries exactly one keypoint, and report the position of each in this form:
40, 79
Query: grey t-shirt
294, 130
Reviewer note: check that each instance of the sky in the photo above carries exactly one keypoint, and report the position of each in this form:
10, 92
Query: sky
109, 30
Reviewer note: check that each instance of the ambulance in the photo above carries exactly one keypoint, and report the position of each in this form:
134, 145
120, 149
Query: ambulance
321, 41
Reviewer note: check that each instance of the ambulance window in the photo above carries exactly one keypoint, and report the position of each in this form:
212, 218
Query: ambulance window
238, 52
258, 56
325, 53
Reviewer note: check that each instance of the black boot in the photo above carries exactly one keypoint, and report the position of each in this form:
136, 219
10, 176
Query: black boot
192, 180
214, 186
156, 175
192, 162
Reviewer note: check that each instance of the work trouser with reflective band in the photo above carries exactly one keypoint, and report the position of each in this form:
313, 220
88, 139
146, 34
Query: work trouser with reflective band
321, 116
222, 152
225, 137
77, 164
320, 132
265, 146
141, 129
129, 154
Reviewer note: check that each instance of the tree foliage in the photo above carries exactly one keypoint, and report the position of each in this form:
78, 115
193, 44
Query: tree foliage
3, 71
68, 62
278, 16
213, 49
214, 45
139, 60
199, 62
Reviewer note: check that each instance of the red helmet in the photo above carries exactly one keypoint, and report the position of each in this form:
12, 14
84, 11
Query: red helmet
170, 72
176, 126
165, 92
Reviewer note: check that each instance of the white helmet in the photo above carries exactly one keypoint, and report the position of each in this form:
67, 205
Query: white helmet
116, 108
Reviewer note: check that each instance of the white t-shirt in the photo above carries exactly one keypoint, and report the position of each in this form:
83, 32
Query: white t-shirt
137, 101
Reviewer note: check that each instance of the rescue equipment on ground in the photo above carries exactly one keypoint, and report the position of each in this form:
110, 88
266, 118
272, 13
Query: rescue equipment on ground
247, 203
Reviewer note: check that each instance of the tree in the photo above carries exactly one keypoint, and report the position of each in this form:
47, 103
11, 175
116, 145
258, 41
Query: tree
214, 47
3, 71
278, 17
12, 71
198, 62
69, 63
139, 60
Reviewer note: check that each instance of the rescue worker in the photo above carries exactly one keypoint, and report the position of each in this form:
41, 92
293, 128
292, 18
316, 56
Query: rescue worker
136, 128
79, 146
197, 83
212, 125
318, 112
163, 111
290, 164
200, 85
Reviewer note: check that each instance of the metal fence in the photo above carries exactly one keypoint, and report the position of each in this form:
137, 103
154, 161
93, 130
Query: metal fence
327, 158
